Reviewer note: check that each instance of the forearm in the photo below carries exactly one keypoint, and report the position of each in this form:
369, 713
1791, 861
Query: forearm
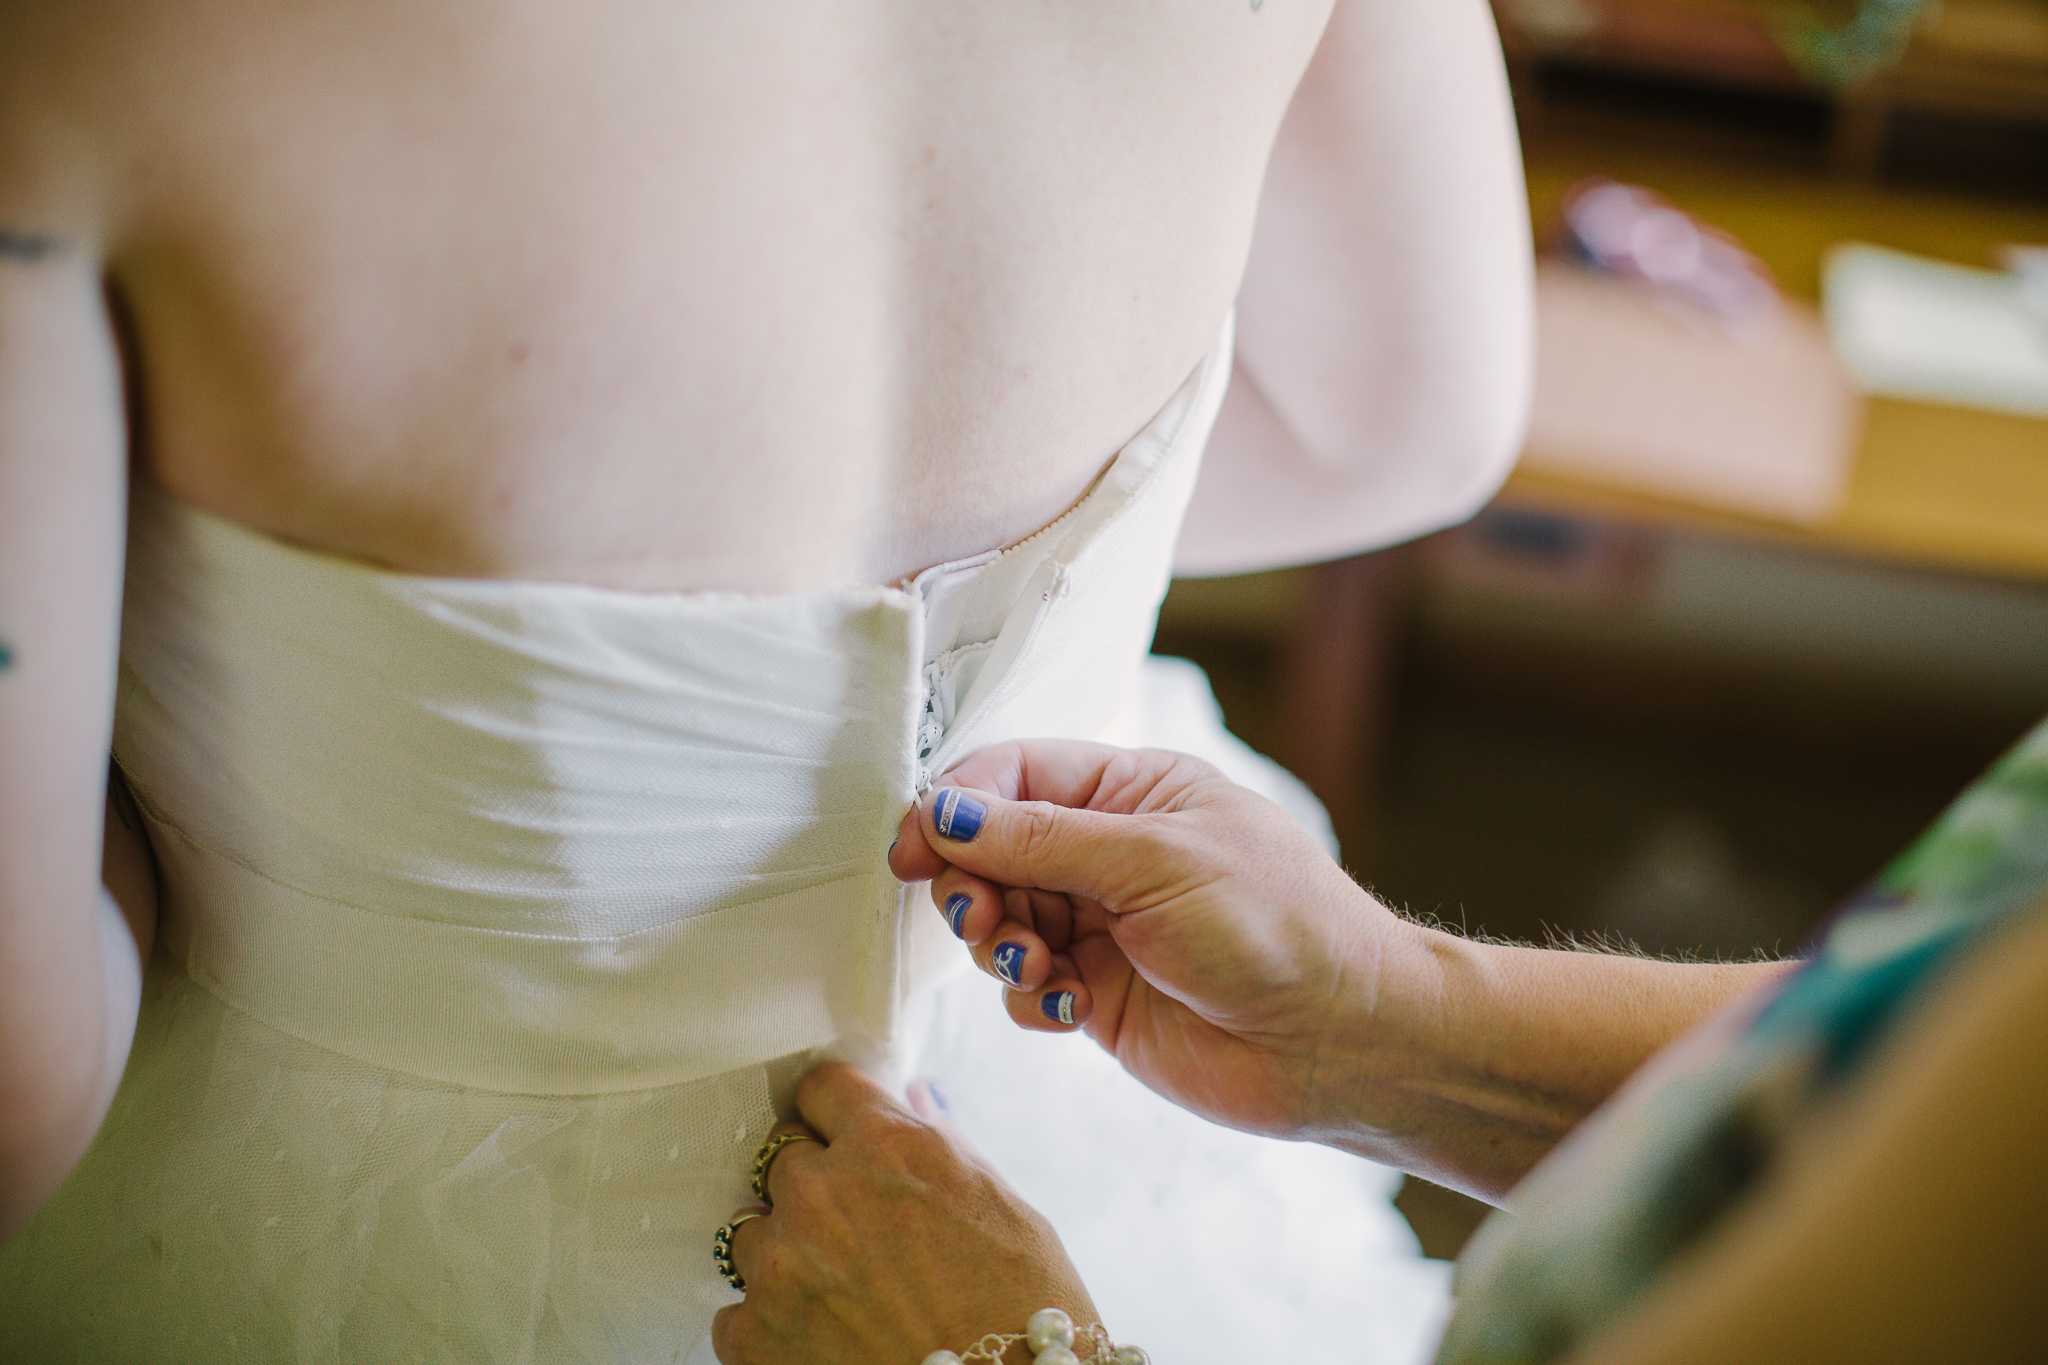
1475, 1058
67, 974
62, 1064
1384, 326
59, 1076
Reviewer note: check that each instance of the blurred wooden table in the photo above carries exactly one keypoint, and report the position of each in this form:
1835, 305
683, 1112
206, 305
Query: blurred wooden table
1947, 489
1942, 488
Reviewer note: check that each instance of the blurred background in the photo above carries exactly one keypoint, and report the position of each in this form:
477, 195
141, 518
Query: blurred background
1770, 584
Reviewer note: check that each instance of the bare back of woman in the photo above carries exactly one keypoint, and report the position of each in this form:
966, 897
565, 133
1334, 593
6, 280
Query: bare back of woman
677, 296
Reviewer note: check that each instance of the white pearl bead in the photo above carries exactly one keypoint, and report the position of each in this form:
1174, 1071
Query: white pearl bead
1056, 1355
1130, 1355
942, 1358
1047, 1328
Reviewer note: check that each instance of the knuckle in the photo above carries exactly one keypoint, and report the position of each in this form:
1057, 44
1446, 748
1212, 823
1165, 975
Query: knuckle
924, 1145
801, 1186
1135, 769
1161, 843
817, 1084
922, 1156
888, 1136
1038, 834
1165, 857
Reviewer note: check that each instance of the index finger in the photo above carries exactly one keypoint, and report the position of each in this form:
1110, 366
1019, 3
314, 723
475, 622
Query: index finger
1069, 773
1064, 772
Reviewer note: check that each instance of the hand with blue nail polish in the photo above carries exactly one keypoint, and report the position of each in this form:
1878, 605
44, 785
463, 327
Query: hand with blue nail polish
956, 908
1145, 897
1189, 925
1198, 934
1008, 962
957, 816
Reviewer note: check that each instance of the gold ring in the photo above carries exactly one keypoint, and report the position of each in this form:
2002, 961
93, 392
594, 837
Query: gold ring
765, 1158
721, 1251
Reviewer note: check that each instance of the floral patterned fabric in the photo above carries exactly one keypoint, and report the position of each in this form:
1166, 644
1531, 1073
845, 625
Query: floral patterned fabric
1682, 1144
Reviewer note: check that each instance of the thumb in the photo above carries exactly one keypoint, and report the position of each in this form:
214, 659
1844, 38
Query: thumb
1036, 844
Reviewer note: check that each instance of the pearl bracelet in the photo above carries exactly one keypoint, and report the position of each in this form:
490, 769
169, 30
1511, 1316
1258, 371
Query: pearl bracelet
1050, 1336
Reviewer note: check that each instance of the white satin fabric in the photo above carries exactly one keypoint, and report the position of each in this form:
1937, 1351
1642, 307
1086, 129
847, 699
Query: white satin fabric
499, 917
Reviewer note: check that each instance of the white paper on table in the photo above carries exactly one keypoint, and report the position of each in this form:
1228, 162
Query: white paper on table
1917, 328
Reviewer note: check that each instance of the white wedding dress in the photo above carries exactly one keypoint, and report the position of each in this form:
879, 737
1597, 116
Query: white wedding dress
499, 918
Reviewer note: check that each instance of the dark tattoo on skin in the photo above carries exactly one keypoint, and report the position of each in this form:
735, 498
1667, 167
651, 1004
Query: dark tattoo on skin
28, 246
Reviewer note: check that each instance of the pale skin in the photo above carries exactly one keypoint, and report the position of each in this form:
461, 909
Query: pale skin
1218, 953
683, 296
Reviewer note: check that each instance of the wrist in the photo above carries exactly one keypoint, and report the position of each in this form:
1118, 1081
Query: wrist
1385, 1059
1050, 1336
1469, 1061
1440, 1067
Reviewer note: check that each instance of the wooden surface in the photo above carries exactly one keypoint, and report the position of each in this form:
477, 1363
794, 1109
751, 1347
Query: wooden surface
1940, 487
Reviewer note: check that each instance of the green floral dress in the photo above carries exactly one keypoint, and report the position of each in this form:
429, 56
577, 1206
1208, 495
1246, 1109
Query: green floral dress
1653, 1173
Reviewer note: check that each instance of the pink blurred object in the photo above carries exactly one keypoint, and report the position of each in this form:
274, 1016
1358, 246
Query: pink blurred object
1634, 234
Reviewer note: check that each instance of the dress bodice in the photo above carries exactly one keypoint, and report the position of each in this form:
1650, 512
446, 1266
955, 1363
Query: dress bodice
557, 839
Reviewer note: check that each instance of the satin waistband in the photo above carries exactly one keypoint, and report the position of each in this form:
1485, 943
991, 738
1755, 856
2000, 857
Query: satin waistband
537, 1014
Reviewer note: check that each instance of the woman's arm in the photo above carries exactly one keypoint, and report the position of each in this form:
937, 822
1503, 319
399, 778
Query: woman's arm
69, 961
1385, 327
1506, 1049
1214, 948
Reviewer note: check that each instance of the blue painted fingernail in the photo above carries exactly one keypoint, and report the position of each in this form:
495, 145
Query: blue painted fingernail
958, 816
1009, 962
939, 1097
1058, 1006
957, 906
